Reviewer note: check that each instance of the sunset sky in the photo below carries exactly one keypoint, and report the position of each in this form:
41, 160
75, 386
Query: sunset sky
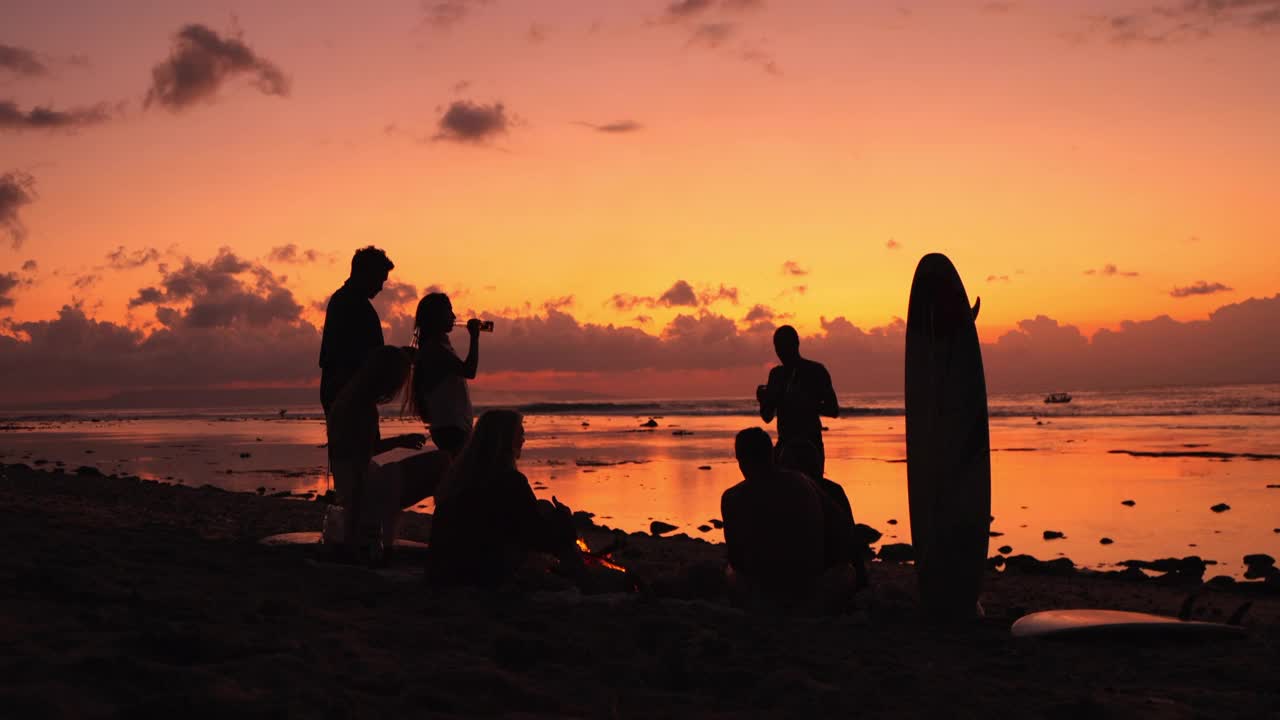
568, 165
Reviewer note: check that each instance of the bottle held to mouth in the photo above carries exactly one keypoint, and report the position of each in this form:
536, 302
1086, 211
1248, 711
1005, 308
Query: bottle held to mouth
483, 325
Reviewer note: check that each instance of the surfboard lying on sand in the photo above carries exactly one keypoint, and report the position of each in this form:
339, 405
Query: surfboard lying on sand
315, 538
1099, 623
948, 442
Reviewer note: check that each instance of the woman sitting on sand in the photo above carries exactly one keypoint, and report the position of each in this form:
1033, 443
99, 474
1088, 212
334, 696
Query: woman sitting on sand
487, 518
439, 396
371, 494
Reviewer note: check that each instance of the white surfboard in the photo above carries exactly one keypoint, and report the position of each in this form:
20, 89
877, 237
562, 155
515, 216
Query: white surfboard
1095, 623
314, 538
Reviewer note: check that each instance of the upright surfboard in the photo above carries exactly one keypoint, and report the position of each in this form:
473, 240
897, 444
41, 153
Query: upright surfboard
948, 444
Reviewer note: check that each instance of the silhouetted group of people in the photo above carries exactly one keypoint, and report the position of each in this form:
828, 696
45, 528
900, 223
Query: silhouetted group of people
786, 527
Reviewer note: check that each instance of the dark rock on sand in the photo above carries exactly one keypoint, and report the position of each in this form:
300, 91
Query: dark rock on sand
704, 528
88, 471
704, 467
650, 424
1129, 503
891, 521
1259, 559
897, 553
1030, 565
246, 455
1053, 535
994, 533
1220, 507
582, 519
1106, 541
1004, 549
866, 534
1191, 567
657, 527
716, 523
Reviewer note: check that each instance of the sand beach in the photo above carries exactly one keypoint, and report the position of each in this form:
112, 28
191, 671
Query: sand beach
123, 597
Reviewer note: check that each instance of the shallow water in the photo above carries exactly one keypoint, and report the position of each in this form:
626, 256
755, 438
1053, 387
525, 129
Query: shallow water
1060, 475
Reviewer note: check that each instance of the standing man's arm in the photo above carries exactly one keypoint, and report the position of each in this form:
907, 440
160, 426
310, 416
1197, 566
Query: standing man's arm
828, 405
768, 395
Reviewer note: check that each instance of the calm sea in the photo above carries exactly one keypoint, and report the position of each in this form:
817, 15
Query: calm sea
1175, 452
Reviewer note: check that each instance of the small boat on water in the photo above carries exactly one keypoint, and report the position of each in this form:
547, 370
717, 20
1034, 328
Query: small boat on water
1057, 398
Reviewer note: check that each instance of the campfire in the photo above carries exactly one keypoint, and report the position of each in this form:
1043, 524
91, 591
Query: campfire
603, 559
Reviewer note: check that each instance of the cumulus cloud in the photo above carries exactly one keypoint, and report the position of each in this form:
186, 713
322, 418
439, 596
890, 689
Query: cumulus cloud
1110, 270
21, 61
997, 278
560, 303
223, 292
292, 254
121, 259
1182, 21
680, 294
616, 128
8, 283
1198, 288
13, 118
86, 281
468, 122
791, 267
201, 62
30, 266
444, 14
17, 190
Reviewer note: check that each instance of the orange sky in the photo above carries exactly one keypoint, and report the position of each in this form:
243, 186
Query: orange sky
1030, 141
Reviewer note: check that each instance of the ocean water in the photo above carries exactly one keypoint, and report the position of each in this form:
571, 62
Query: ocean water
1175, 452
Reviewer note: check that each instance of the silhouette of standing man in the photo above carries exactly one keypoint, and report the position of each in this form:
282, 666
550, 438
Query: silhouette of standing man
351, 325
798, 392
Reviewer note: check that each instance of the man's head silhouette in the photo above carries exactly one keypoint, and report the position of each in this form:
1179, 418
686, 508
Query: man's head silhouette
754, 451
369, 269
786, 343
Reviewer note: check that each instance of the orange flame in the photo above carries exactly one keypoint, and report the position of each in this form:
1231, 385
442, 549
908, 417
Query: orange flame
601, 560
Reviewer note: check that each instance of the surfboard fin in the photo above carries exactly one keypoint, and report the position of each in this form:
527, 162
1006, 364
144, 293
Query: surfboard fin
977, 305
1237, 617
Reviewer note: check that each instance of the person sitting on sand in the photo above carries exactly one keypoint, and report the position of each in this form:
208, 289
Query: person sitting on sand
773, 528
487, 518
372, 494
439, 396
798, 392
351, 325
841, 546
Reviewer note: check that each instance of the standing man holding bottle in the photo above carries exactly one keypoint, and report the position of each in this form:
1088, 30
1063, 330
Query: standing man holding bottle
799, 391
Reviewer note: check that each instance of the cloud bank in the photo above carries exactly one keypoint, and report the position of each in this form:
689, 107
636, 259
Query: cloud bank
14, 119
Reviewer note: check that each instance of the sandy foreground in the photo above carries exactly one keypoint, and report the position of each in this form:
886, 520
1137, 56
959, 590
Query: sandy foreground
127, 598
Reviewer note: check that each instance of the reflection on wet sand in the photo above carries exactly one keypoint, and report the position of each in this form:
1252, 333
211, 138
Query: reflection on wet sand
1063, 476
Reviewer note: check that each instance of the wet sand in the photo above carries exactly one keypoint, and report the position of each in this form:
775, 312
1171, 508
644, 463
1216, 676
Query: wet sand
122, 597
